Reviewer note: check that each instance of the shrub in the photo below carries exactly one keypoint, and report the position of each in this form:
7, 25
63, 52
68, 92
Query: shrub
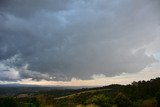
122, 101
100, 100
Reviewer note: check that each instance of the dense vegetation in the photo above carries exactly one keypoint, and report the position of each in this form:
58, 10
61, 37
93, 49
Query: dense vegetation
137, 94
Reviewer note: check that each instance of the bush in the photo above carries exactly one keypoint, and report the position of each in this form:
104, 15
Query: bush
122, 101
100, 100
8, 102
158, 98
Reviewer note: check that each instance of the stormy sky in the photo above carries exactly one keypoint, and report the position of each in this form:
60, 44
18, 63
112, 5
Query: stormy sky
58, 40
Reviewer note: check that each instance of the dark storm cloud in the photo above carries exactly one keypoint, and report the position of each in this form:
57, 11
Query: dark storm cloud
25, 8
61, 39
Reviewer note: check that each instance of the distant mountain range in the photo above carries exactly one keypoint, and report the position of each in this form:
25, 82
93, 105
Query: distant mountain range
49, 86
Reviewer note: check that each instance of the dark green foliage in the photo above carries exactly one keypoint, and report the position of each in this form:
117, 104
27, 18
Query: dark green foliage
158, 98
34, 101
18, 102
142, 89
8, 102
122, 101
100, 100
137, 103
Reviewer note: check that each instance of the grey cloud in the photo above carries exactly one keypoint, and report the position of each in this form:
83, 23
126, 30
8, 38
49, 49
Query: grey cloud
65, 39
25, 8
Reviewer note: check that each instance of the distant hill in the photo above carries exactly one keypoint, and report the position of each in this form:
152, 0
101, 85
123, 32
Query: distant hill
136, 94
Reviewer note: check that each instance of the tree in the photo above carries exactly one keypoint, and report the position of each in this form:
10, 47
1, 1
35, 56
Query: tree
158, 98
100, 100
122, 101
8, 102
